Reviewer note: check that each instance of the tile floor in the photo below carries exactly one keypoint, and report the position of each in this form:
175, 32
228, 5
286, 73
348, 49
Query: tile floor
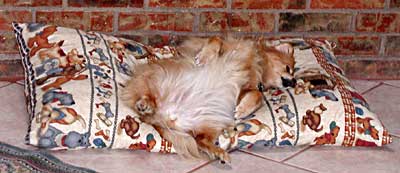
383, 96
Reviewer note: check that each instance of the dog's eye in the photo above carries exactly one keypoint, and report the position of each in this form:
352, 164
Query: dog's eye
288, 69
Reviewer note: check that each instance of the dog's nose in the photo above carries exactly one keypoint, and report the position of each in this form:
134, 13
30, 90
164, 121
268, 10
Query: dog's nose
288, 82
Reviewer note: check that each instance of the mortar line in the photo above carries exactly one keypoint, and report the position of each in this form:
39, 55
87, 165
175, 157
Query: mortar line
302, 34
387, 4
33, 11
383, 40
115, 22
353, 22
308, 4
64, 3
228, 5
146, 8
146, 4
276, 22
196, 22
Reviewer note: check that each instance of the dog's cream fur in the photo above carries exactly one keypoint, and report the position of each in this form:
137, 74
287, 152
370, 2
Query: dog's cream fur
190, 105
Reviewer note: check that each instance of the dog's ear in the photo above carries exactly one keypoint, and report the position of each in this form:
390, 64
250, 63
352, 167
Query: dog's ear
285, 48
60, 43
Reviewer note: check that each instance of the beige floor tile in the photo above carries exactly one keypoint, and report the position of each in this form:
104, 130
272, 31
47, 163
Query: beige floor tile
276, 153
14, 118
385, 101
360, 159
127, 161
246, 163
4, 83
21, 82
393, 82
363, 85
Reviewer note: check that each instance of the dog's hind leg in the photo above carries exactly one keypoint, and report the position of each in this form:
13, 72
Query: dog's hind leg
205, 141
249, 103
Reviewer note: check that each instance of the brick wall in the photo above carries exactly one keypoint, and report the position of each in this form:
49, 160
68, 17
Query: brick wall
366, 32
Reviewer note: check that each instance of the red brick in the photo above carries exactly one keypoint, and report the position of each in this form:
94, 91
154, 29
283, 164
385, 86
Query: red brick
33, 2
352, 4
156, 21
357, 45
11, 70
131, 21
8, 43
188, 3
269, 4
378, 22
394, 4
392, 47
6, 17
78, 19
304, 22
184, 22
252, 22
105, 3
213, 21
101, 21
161, 21
371, 69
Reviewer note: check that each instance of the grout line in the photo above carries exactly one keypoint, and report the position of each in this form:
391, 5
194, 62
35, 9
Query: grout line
17, 82
208, 162
200, 166
290, 165
7, 84
372, 88
384, 83
394, 135
297, 153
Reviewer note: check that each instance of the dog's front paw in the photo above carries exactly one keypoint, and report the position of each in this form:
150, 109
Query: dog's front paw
145, 106
223, 156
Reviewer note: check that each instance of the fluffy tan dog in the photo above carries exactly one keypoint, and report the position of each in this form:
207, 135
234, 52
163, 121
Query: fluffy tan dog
273, 67
190, 105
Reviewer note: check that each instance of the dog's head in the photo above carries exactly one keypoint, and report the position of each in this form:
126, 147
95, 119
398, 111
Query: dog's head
279, 66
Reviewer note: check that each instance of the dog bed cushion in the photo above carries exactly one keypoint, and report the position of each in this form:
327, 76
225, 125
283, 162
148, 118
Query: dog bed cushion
73, 79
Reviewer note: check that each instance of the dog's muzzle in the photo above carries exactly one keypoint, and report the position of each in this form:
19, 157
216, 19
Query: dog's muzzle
288, 82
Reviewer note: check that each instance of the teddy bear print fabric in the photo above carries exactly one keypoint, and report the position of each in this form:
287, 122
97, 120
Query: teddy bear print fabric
73, 79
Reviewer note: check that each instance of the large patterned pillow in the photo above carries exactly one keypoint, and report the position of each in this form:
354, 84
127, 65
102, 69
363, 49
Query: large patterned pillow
73, 80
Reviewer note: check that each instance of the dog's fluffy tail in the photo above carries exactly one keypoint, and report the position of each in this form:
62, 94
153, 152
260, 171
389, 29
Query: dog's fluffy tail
187, 146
